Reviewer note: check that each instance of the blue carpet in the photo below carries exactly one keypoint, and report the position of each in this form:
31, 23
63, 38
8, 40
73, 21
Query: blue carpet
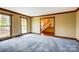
39, 43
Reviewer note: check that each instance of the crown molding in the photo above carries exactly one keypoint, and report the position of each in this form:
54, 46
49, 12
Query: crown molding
14, 12
54, 14
58, 13
41, 15
77, 9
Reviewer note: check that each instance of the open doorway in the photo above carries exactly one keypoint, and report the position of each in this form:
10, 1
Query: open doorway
47, 26
24, 26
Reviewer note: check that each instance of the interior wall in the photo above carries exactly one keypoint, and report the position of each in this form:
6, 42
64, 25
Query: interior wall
77, 24
29, 25
36, 25
16, 30
65, 24
16, 27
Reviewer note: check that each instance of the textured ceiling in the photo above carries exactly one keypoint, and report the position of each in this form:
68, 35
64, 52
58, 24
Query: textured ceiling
36, 11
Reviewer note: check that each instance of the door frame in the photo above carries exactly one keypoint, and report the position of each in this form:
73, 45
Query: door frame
44, 18
21, 26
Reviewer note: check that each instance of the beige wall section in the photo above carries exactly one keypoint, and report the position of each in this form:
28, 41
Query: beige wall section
16, 28
36, 25
29, 25
65, 24
77, 24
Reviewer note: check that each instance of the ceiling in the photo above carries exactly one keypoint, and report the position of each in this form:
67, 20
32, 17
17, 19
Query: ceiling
36, 11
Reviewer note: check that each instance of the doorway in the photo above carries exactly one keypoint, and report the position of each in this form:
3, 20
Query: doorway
24, 26
47, 25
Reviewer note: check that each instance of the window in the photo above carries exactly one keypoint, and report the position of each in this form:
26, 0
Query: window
5, 25
23, 25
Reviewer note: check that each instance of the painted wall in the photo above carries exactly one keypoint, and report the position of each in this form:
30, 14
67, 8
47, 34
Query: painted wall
29, 25
16, 28
77, 24
65, 24
36, 25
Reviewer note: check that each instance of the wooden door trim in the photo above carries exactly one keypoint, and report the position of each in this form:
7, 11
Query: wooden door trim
44, 18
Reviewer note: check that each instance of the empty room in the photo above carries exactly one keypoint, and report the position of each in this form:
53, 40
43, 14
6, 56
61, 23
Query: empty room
39, 29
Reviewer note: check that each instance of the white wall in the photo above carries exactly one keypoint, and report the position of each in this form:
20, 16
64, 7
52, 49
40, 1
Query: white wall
36, 25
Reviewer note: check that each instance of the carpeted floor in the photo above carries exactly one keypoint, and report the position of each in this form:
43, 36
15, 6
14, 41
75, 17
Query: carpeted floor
39, 43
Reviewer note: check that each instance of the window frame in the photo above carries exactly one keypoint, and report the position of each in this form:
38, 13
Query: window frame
7, 37
21, 25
